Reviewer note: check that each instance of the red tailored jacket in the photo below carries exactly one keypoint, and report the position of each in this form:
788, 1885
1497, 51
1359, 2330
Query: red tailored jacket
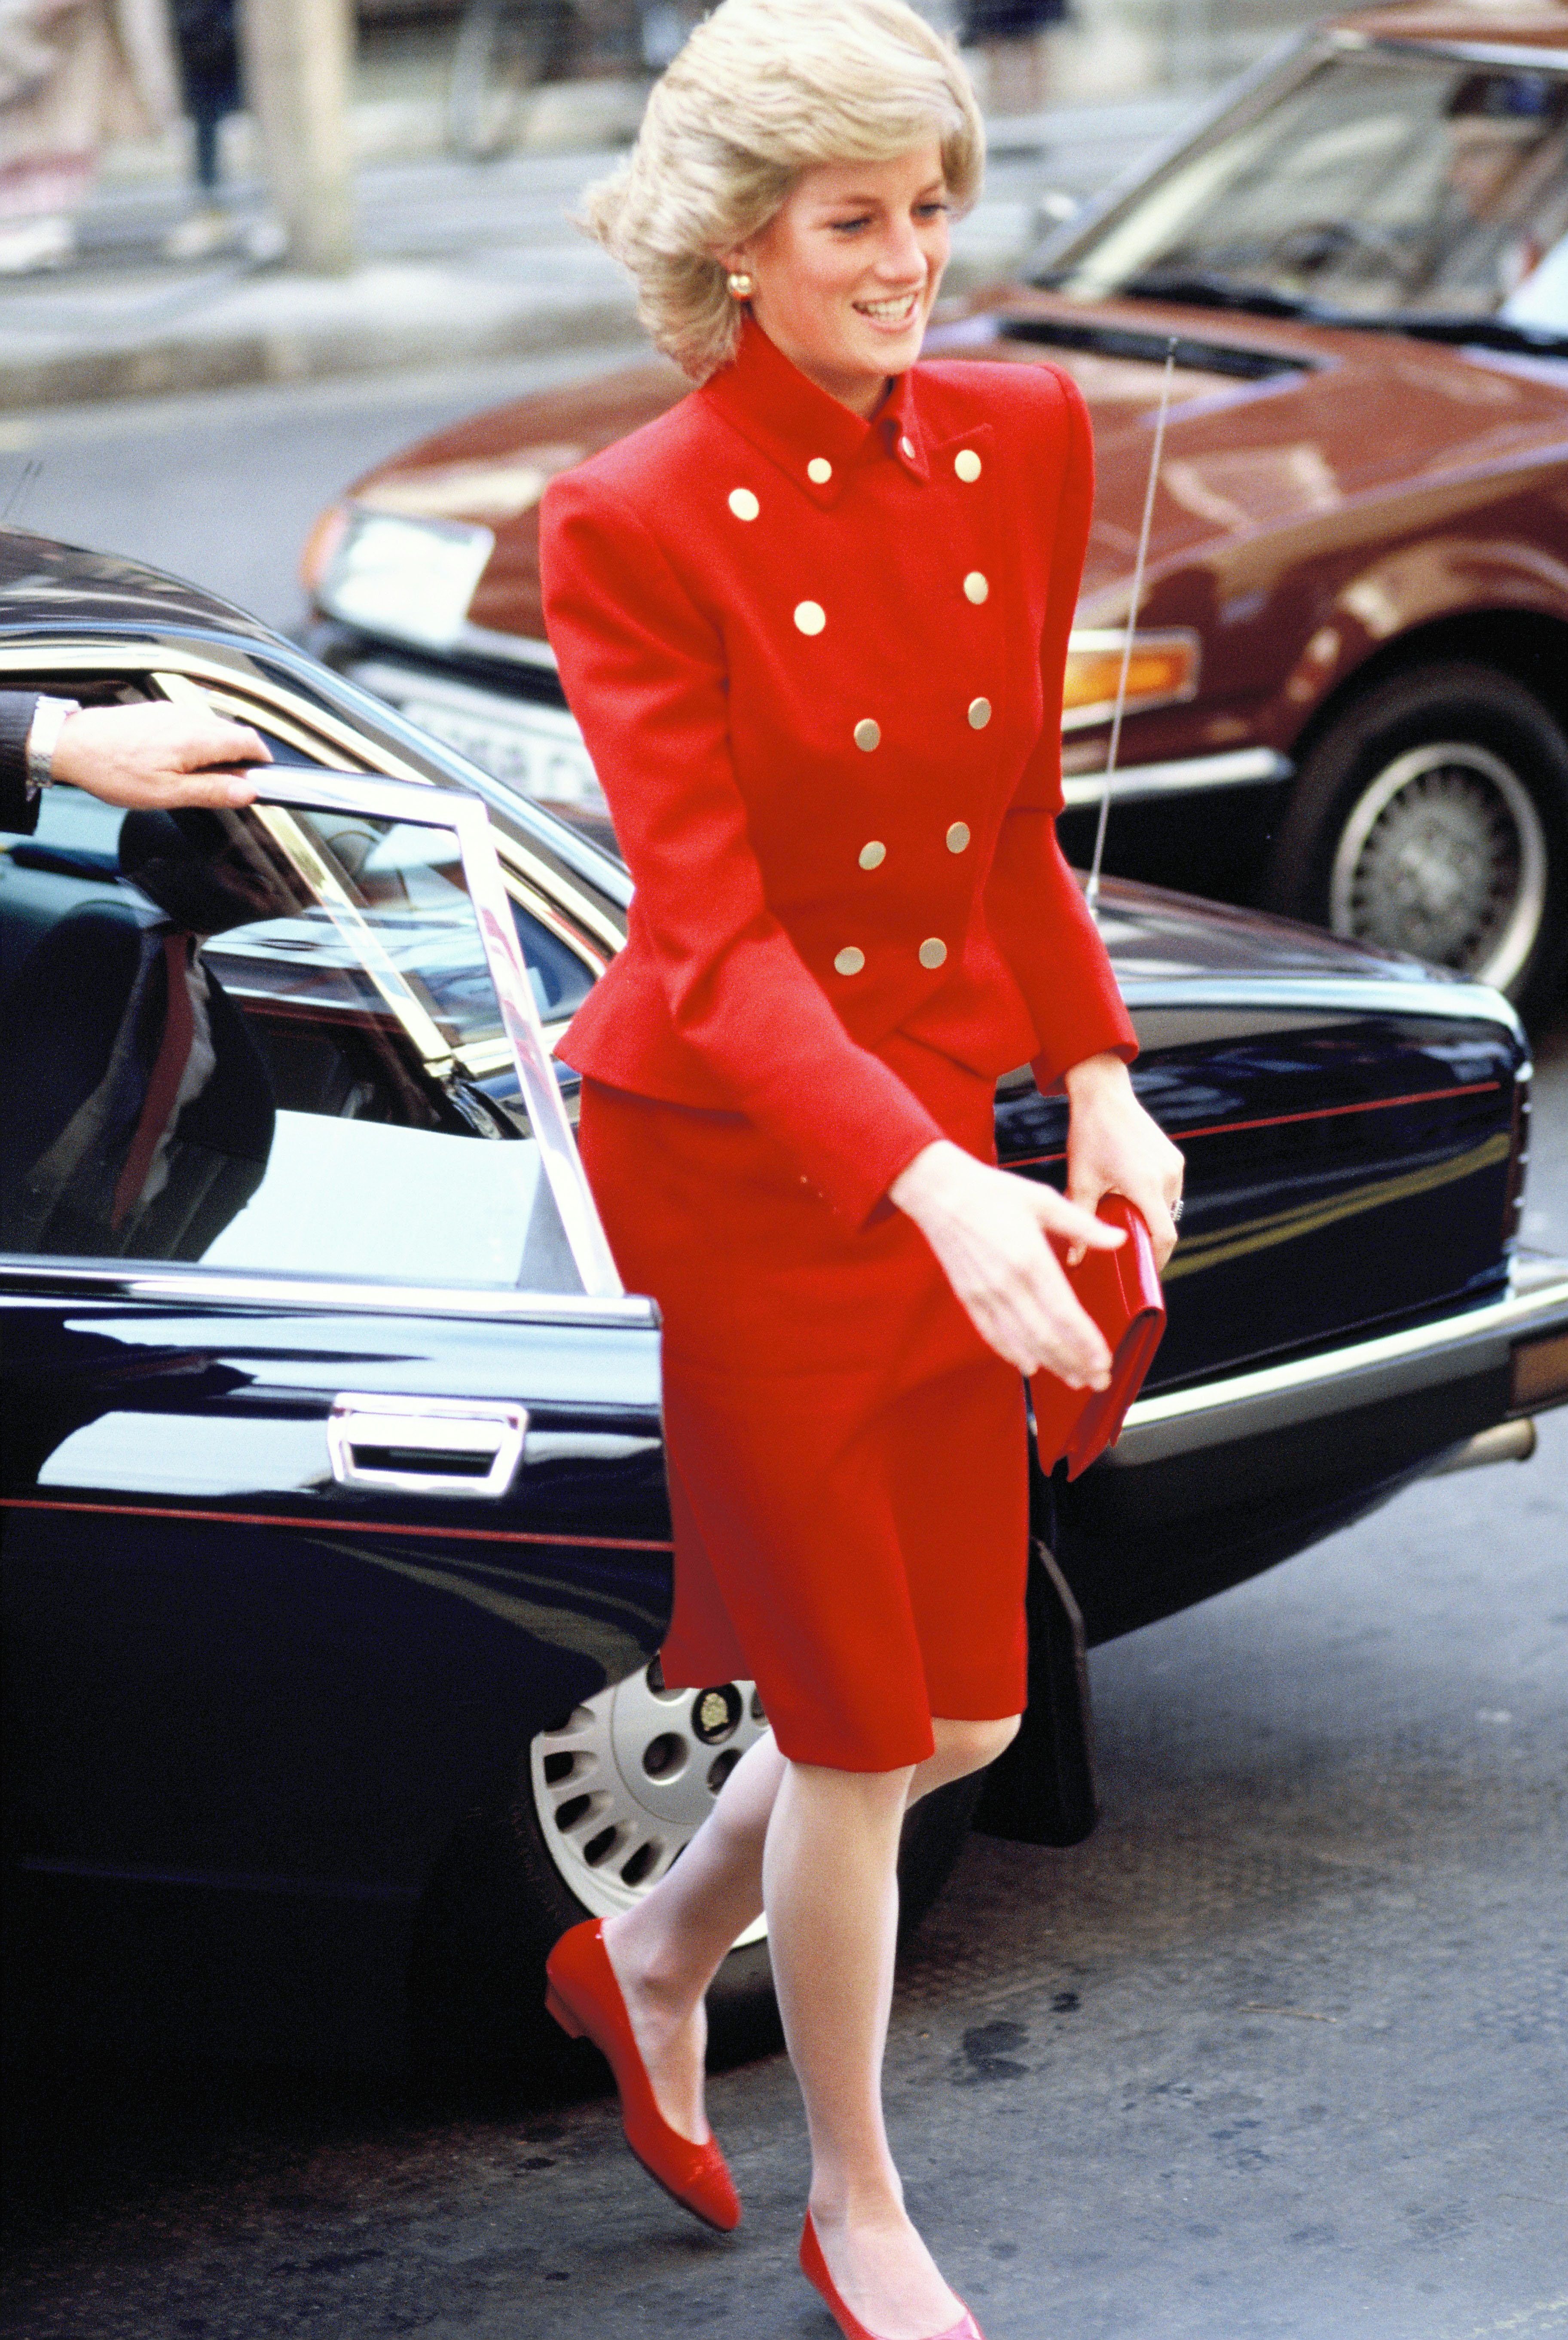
817, 663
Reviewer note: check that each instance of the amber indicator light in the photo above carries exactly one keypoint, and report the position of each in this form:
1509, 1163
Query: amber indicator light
1163, 669
1540, 1373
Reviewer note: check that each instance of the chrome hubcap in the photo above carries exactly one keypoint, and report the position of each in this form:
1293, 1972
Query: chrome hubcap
1444, 856
630, 1775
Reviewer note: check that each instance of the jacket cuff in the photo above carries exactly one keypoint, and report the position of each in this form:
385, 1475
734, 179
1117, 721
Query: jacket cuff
856, 1152
1099, 1027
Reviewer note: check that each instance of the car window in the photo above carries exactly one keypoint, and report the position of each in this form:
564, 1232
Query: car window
1382, 183
559, 977
76, 838
267, 1040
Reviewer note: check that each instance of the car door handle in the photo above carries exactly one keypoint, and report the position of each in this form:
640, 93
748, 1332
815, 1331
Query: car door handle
425, 1445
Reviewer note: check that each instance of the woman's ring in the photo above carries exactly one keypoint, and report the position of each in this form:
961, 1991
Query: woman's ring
1177, 1208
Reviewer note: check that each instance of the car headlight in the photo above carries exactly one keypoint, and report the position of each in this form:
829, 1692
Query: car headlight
1162, 669
320, 547
411, 579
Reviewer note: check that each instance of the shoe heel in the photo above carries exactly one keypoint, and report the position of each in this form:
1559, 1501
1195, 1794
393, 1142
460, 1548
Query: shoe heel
557, 2006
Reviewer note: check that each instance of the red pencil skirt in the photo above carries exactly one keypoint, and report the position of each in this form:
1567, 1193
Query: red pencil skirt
847, 1461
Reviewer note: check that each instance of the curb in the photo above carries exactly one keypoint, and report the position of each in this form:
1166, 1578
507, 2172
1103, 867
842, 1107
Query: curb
169, 364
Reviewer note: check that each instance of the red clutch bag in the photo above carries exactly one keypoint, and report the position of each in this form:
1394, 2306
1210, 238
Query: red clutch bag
1121, 1290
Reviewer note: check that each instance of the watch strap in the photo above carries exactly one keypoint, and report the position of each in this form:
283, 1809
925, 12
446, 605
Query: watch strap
50, 717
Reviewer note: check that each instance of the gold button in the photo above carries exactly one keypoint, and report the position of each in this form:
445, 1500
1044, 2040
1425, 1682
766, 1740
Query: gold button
966, 464
979, 713
873, 855
819, 470
743, 504
850, 961
932, 951
975, 586
957, 836
906, 448
867, 734
811, 617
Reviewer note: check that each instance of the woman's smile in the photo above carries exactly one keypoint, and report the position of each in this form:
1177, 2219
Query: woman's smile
845, 272
897, 309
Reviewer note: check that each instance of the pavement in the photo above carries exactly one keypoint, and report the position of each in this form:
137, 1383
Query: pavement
459, 263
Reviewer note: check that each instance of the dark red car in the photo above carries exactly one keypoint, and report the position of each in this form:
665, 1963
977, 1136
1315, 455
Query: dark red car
1350, 678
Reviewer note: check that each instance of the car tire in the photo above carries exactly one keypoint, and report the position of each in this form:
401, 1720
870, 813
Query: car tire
1432, 816
512, 1880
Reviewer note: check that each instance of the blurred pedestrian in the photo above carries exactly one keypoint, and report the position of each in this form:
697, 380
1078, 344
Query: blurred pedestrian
1014, 38
74, 76
207, 39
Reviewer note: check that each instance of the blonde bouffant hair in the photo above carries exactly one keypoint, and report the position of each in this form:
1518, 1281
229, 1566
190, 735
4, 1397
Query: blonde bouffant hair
762, 91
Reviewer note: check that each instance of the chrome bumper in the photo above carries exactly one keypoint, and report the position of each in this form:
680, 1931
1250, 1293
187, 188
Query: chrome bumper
1364, 1374
1241, 767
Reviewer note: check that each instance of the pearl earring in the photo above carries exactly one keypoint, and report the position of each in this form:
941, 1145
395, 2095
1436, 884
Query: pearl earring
741, 287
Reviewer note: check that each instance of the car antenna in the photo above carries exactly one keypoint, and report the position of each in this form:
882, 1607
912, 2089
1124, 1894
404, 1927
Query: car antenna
22, 487
1091, 892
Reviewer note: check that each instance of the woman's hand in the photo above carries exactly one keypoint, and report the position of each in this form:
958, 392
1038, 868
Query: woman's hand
1114, 1147
987, 1230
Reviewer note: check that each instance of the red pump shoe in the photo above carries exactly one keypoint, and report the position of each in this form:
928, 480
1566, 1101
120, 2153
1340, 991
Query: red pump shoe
583, 1995
813, 2266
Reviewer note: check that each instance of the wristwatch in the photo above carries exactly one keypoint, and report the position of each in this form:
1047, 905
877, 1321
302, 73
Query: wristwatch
49, 720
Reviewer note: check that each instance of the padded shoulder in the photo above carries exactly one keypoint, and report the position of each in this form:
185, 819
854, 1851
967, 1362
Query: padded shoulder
640, 467
959, 393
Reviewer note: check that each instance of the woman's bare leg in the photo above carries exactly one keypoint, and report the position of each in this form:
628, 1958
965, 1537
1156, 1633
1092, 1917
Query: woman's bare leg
829, 1882
666, 1951
961, 1748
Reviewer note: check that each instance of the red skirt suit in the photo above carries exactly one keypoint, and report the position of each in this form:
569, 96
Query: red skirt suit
818, 664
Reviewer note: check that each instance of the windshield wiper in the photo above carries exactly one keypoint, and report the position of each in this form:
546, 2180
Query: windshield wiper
1198, 288
1480, 333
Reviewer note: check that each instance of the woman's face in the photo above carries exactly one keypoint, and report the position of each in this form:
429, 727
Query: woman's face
846, 273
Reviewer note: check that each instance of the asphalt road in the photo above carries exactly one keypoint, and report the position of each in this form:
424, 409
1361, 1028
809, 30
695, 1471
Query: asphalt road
221, 488
1280, 2054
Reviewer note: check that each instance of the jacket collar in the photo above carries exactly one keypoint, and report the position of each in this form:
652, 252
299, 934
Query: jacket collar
796, 424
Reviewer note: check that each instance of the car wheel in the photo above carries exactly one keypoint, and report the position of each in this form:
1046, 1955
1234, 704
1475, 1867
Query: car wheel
1432, 816
605, 1799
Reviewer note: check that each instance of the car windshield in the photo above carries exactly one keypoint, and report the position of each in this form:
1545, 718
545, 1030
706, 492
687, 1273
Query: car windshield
1379, 185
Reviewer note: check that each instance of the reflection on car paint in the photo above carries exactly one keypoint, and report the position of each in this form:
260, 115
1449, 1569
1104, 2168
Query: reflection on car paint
1336, 1177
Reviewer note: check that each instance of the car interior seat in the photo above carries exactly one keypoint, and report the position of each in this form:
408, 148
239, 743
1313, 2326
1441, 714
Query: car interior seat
136, 1111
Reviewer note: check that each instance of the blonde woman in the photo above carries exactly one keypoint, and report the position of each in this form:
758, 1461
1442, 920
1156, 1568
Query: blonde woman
813, 622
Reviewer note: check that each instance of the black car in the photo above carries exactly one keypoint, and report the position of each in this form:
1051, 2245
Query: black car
336, 1543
